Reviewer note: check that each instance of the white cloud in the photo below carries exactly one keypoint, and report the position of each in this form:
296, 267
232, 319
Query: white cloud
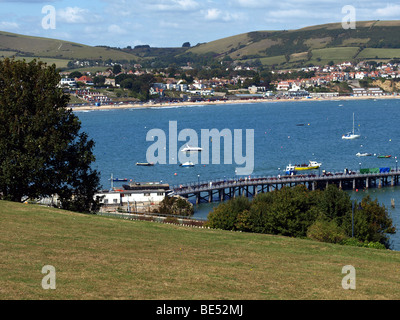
391, 10
75, 15
215, 14
116, 29
172, 5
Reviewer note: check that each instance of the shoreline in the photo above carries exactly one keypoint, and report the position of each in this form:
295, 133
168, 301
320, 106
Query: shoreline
227, 102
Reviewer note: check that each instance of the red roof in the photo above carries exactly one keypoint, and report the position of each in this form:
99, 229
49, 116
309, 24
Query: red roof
85, 79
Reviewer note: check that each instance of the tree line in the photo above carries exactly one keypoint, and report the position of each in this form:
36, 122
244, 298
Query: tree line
327, 216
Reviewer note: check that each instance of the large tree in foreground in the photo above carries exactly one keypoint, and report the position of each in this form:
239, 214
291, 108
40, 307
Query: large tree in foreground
42, 151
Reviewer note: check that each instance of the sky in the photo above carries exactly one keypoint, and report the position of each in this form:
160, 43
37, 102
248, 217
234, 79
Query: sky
170, 23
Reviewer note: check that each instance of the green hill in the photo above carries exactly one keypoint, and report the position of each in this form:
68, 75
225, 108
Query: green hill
317, 44
26, 46
103, 258
287, 48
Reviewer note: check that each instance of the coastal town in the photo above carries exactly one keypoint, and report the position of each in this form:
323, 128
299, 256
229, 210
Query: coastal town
136, 84
199, 158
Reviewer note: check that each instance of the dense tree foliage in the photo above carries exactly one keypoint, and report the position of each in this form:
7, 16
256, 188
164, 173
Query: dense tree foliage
175, 206
42, 151
297, 212
138, 85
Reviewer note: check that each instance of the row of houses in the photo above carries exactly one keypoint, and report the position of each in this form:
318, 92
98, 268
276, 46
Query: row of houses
364, 92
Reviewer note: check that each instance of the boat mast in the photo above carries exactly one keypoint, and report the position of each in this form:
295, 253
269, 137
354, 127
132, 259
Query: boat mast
353, 123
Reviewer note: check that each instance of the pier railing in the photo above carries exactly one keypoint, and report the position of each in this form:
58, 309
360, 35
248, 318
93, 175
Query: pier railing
203, 186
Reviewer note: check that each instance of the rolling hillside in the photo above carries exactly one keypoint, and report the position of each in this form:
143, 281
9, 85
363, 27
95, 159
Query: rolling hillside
317, 44
26, 46
287, 48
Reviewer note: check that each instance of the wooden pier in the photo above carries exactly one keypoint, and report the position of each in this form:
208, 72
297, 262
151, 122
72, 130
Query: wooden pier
221, 190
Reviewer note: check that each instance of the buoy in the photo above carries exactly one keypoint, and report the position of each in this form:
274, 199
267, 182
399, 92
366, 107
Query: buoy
175, 174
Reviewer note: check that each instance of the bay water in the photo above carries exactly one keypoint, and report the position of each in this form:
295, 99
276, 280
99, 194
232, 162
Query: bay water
284, 132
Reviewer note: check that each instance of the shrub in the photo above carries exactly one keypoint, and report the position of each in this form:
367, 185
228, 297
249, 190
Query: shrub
326, 231
226, 215
356, 243
171, 220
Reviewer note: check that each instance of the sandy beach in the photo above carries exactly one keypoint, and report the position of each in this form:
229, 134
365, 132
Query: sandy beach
182, 104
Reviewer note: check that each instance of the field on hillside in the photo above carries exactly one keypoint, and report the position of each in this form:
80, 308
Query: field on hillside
60, 63
379, 53
336, 54
53, 48
103, 258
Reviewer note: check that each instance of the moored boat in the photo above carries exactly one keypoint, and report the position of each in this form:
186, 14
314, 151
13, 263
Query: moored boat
312, 165
191, 149
187, 164
383, 156
146, 164
351, 135
365, 154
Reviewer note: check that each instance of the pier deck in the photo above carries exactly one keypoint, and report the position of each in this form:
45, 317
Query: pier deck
220, 190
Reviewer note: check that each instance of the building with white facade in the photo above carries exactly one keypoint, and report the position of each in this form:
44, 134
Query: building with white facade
68, 82
138, 197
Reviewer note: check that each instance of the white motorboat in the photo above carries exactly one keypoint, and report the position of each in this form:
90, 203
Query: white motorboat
365, 154
187, 164
191, 149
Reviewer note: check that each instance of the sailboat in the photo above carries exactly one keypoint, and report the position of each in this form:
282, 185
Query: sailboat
351, 135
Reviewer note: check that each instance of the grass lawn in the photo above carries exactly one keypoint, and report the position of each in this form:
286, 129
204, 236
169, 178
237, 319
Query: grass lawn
103, 258
371, 53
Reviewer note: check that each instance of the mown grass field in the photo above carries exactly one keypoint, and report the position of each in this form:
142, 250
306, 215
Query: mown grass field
103, 258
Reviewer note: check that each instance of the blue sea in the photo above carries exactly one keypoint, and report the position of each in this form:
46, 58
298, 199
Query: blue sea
284, 132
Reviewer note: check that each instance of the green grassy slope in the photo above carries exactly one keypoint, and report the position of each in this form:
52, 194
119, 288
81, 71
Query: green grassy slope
312, 45
52, 48
315, 44
102, 258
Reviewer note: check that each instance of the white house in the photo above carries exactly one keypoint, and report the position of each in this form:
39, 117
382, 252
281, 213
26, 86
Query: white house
295, 87
360, 75
67, 82
283, 85
140, 196
123, 197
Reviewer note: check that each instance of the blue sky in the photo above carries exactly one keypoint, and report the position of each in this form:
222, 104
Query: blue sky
166, 23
